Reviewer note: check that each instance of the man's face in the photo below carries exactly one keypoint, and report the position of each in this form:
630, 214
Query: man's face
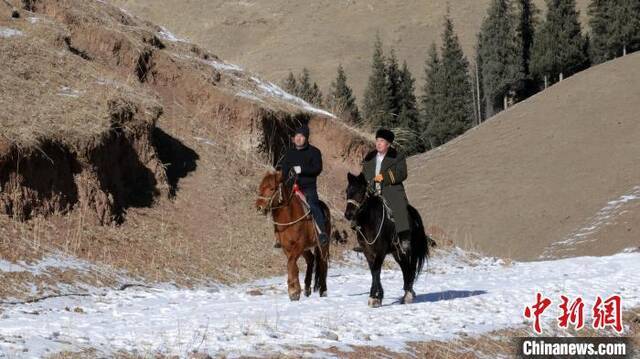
299, 140
382, 145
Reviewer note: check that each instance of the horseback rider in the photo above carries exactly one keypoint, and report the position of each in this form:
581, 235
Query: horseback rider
385, 169
305, 161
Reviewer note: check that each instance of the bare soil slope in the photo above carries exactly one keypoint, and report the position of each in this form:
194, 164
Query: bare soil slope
120, 144
276, 36
556, 175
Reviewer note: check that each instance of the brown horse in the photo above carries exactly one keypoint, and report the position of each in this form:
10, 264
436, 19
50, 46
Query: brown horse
295, 230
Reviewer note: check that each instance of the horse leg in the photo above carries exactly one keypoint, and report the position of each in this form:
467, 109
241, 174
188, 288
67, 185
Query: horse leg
377, 293
293, 281
408, 274
309, 258
322, 260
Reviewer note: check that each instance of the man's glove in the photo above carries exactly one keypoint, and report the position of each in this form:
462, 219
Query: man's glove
297, 169
378, 178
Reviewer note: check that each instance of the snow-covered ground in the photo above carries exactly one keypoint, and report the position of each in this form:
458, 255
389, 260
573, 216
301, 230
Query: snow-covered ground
42, 278
455, 296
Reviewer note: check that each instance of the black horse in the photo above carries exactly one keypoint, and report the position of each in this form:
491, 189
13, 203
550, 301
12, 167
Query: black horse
376, 233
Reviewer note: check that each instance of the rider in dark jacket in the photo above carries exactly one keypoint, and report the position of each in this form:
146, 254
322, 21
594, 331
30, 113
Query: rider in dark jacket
304, 162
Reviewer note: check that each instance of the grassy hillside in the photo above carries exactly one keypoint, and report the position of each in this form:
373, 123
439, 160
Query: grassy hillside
274, 37
560, 167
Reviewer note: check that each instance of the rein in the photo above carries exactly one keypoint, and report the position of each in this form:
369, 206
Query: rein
281, 204
358, 228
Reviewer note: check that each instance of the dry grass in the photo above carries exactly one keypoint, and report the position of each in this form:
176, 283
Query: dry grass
47, 92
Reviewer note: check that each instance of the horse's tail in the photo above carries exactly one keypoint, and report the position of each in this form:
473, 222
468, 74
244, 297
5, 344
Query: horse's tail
420, 242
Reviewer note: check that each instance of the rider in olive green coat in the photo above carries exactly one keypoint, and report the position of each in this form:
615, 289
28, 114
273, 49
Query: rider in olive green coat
386, 168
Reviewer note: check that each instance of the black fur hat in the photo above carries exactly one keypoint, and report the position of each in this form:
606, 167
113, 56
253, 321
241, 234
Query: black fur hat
386, 134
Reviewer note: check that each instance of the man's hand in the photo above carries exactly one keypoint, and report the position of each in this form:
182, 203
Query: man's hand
297, 169
379, 178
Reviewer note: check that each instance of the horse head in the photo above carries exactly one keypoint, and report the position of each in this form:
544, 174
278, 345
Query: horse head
356, 194
269, 192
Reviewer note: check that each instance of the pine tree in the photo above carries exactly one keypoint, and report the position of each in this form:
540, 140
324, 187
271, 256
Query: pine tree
543, 63
625, 27
316, 96
480, 99
304, 88
526, 29
341, 99
501, 54
290, 84
393, 85
455, 114
432, 96
408, 118
600, 22
559, 47
615, 28
376, 96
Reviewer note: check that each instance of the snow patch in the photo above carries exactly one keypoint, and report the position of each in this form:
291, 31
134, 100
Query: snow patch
206, 141
7, 32
169, 36
56, 261
603, 217
69, 92
222, 66
263, 91
457, 294
249, 95
273, 90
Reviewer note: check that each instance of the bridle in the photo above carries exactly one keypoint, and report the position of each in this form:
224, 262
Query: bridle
358, 206
269, 199
281, 204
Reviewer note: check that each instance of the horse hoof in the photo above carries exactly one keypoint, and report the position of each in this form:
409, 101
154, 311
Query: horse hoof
323, 293
307, 292
408, 298
294, 297
375, 302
